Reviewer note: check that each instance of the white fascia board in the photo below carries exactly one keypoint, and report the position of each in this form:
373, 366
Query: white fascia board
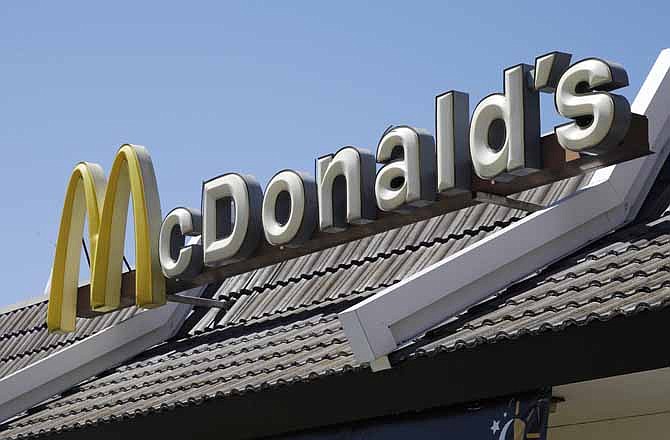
380, 324
91, 356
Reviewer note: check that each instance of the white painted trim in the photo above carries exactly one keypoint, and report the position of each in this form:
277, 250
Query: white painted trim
63, 369
91, 356
380, 324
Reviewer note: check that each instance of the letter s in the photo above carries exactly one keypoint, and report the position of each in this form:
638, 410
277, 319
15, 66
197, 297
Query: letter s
601, 118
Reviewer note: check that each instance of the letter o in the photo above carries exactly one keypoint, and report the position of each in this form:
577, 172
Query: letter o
300, 208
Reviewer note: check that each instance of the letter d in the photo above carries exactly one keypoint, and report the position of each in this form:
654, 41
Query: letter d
505, 129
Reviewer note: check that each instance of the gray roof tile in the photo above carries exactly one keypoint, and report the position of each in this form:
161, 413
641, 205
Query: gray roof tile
24, 338
619, 275
287, 353
364, 266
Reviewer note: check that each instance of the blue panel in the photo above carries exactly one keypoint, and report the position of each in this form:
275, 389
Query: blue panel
518, 417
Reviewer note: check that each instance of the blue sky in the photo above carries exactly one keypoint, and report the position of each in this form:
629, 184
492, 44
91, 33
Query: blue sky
213, 87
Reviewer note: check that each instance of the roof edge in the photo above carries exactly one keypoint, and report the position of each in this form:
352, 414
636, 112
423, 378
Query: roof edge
23, 304
614, 347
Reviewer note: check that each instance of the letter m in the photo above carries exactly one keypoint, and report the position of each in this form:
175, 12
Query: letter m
106, 205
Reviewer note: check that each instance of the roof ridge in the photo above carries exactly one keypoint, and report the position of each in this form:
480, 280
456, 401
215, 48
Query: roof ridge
21, 305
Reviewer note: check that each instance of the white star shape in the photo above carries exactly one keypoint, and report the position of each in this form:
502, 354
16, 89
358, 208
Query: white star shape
495, 427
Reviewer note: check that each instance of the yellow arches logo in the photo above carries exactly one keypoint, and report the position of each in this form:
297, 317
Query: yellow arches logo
106, 205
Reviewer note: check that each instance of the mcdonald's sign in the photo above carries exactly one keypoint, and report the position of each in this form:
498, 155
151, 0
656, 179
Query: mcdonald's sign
105, 203
413, 176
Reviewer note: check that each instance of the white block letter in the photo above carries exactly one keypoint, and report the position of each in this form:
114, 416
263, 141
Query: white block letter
289, 208
408, 174
231, 210
451, 131
601, 119
505, 129
178, 260
345, 189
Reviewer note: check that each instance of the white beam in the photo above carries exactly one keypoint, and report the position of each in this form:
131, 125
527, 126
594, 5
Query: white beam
91, 356
380, 324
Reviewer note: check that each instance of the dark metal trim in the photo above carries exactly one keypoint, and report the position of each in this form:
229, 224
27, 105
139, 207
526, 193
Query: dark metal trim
198, 302
507, 202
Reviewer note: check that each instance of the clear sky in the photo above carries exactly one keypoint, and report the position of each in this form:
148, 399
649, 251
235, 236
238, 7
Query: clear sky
214, 87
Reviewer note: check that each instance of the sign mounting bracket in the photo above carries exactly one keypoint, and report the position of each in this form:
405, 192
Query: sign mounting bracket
508, 202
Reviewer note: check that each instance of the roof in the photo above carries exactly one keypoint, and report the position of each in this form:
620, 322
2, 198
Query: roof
282, 327
24, 338
620, 275
360, 268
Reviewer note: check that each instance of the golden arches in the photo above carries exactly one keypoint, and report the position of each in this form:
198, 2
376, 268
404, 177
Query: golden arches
106, 205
